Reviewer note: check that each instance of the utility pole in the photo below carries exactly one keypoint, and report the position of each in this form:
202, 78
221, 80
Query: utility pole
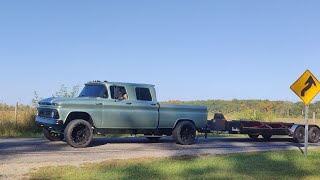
2, 113
16, 113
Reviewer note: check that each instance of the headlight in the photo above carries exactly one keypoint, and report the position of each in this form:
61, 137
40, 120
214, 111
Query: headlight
52, 114
48, 113
55, 114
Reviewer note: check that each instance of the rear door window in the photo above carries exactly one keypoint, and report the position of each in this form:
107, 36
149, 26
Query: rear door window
143, 94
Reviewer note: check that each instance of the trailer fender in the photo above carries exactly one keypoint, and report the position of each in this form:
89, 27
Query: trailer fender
293, 129
295, 126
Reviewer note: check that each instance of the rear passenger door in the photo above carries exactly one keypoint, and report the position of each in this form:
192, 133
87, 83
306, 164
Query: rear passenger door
117, 112
144, 109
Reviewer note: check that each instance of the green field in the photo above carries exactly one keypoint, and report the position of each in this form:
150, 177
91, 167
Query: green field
260, 165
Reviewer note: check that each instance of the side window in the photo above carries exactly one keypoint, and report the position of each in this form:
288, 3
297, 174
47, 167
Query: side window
118, 92
143, 94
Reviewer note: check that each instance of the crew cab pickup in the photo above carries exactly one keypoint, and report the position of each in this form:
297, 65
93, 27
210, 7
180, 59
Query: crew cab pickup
114, 107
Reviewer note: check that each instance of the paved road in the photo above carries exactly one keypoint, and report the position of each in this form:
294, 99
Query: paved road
19, 155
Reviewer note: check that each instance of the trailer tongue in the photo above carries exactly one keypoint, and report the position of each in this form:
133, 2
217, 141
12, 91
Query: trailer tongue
266, 129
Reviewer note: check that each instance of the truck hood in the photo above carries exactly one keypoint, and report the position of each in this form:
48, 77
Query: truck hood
61, 100
54, 100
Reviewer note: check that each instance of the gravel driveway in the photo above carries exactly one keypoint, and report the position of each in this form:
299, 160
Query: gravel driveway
19, 155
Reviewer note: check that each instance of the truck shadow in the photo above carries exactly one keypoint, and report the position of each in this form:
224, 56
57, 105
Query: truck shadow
14, 148
100, 141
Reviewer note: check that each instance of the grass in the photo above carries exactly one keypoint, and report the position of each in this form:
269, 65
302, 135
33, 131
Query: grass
259, 165
298, 120
22, 126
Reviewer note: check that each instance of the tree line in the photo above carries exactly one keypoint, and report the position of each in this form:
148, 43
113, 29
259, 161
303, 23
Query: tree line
254, 109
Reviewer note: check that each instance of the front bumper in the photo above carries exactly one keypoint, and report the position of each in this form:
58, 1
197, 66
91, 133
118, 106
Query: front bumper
48, 121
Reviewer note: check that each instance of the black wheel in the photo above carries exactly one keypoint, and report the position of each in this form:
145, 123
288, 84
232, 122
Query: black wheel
267, 137
314, 134
298, 135
78, 133
154, 139
51, 135
184, 133
253, 136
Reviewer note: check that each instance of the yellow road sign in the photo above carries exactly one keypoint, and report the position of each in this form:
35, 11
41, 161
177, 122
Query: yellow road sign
306, 87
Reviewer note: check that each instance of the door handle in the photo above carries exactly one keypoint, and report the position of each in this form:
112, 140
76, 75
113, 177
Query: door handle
129, 103
153, 104
98, 103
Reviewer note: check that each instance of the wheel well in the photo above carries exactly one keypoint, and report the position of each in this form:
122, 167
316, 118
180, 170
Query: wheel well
310, 126
180, 120
79, 115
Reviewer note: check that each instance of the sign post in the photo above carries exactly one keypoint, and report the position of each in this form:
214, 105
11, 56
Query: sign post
306, 88
306, 129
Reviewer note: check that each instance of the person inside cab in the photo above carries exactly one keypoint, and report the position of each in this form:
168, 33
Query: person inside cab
122, 95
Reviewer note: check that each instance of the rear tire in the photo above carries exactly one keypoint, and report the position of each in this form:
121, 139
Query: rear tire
78, 133
184, 133
266, 137
314, 134
252, 136
298, 135
52, 136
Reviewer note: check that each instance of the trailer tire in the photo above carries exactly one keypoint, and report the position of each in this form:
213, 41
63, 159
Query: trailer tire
314, 134
298, 135
253, 136
184, 133
266, 137
78, 133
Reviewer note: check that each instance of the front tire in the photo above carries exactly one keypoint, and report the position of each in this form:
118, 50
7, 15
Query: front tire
78, 133
52, 136
184, 133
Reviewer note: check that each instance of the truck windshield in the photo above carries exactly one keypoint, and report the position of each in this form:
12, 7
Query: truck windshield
93, 91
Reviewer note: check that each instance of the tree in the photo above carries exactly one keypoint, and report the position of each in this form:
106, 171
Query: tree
64, 92
35, 99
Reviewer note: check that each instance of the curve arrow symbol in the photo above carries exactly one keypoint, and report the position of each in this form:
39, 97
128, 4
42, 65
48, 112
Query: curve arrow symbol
309, 84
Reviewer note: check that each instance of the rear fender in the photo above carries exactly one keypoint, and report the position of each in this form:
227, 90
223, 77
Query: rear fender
180, 120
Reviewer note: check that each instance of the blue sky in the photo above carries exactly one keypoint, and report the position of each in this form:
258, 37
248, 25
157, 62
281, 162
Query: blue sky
189, 49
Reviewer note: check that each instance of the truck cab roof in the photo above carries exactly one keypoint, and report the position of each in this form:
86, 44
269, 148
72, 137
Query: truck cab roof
119, 83
119, 90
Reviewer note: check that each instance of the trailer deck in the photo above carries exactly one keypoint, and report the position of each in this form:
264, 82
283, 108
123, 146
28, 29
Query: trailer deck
266, 129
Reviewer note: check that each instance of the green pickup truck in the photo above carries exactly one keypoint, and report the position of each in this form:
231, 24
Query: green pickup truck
118, 108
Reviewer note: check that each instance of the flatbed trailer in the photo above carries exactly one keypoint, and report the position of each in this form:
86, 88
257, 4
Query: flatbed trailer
266, 129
